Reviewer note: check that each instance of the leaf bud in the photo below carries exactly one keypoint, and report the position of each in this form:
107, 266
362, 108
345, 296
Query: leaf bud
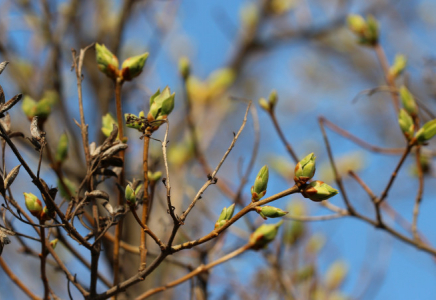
408, 101
258, 190
107, 61
305, 169
226, 214
263, 235
184, 67
54, 243
133, 66
130, 195
33, 204
318, 191
62, 149
406, 124
426, 132
270, 212
400, 63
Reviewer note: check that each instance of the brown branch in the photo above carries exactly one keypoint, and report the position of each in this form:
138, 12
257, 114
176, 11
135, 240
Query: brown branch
197, 271
17, 280
145, 203
43, 257
282, 136
418, 194
147, 230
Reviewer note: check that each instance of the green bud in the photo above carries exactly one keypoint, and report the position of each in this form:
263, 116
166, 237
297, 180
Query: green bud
28, 105
305, 169
336, 275
53, 243
226, 214
184, 67
33, 204
154, 176
107, 124
264, 235
43, 108
258, 190
130, 195
270, 212
264, 104
62, 149
161, 105
318, 191
70, 186
356, 24
220, 80
107, 61
408, 101
406, 124
273, 97
426, 132
398, 67
133, 66
366, 31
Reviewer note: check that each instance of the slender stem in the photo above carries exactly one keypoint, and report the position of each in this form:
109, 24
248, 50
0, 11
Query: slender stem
381, 55
282, 137
147, 230
418, 195
119, 226
145, 203
200, 269
17, 280
43, 263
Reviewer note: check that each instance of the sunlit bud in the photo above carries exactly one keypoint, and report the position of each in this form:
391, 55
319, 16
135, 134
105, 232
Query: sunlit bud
184, 67
138, 189
226, 214
70, 186
408, 101
318, 191
33, 204
258, 190
54, 243
28, 105
270, 212
161, 104
154, 176
46, 215
305, 169
426, 132
220, 80
336, 275
406, 124
107, 124
264, 104
130, 195
357, 24
398, 67
107, 61
273, 97
264, 235
62, 149
366, 30
133, 66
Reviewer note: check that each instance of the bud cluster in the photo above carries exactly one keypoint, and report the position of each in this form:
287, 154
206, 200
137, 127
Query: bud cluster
367, 30
226, 214
34, 205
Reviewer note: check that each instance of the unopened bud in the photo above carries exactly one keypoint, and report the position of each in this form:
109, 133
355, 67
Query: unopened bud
264, 235
133, 66
130, 195
108, 122
270, 212
161, 105
154, 176
184, 67
107, 61
226, 214
264, 104
54, 243
336, 275
273, 97
258, 190
365, 30
406, 124
398, 67
426, 132
305, 169
408, 101
318, 191
62, 149
33, 204
357, 24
